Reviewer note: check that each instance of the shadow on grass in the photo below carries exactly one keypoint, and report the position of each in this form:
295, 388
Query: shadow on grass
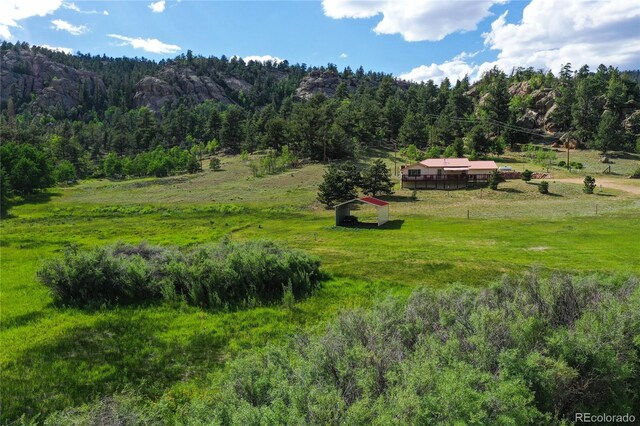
20, 320
600, 194
37, 198
392, 224
509, 190
623, 155
113, 353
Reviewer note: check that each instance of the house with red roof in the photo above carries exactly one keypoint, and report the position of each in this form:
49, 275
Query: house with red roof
446, 173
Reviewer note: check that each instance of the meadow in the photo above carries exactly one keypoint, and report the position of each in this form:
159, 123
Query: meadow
56, 357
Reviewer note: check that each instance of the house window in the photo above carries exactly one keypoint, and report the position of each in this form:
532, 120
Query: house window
414, 172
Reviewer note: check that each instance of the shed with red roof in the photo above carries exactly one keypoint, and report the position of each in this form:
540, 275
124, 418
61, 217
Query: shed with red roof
343, 210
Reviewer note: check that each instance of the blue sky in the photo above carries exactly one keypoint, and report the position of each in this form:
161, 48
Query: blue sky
412, 39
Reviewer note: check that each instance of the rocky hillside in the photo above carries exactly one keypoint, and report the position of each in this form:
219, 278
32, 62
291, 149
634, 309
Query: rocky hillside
32, 77
41, 81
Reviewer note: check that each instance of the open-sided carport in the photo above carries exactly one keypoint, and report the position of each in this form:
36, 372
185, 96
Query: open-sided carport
343, 210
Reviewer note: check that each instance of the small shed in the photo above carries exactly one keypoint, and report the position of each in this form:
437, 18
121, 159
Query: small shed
343, 210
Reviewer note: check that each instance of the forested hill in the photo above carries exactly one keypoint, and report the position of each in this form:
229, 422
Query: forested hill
80, 108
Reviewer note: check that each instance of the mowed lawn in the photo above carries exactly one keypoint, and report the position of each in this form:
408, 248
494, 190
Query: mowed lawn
55, 357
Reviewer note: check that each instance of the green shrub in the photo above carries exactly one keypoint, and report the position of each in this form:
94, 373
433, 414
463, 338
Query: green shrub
562, 163
64, 172
527, 175
589, 185
222, 276
576, 165
495, 179
543, 187
636, 174
193, 165
523, 352
214, 164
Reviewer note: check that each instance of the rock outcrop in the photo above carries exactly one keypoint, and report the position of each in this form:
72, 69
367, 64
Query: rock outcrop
324, 82
174, 83
29, 76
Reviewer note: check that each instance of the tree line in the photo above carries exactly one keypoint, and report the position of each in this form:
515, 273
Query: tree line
367, 110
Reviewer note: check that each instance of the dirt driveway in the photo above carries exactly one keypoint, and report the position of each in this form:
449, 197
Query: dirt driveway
607, 183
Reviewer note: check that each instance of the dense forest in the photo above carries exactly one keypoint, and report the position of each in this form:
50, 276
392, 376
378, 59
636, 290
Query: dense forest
65, 117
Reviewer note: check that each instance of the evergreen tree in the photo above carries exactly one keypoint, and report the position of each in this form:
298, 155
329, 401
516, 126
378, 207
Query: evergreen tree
495, 179
339, 183
610, 136
413, 131
393, 113
5, 192
585, 110
496, 105
232, 132
478, 142
376, 179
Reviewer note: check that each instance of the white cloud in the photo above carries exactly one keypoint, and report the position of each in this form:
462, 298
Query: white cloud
72, 6
67, 50
464, 55
551, 34
13, 11
344, 55
455, 69
157, 7
60, 25
415, 20
263, 58
151, 45
554, 32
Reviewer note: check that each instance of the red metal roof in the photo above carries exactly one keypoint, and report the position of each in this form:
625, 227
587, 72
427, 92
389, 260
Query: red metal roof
481, 165
374, 201
445, 162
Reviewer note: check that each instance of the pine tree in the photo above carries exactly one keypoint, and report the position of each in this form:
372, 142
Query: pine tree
496, 105
610, 136
339, 183
376, 179
478, 142
585, 111
5, 192
413, 131
232, 133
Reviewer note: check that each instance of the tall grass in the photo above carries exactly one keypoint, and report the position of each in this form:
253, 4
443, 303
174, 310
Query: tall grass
226, 275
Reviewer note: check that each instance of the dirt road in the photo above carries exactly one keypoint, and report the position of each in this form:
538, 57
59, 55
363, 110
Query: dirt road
618, 184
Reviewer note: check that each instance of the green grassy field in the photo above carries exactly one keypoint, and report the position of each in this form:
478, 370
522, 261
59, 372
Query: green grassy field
55, 357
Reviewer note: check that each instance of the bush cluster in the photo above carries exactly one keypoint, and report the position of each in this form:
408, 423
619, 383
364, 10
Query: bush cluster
527, 351
226, 275
543, 187
159, 163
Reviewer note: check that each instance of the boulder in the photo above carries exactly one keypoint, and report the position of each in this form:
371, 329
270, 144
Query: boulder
521, 88
528, 120
543, 100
